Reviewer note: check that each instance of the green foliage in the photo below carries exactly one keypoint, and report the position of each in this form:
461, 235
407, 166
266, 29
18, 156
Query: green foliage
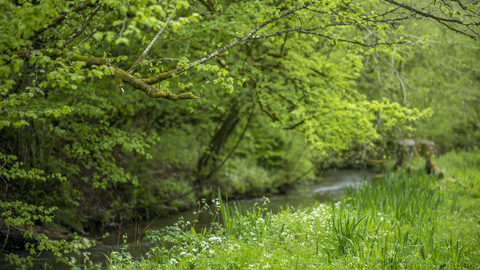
403, 220
18, 216
81, 129
442, 74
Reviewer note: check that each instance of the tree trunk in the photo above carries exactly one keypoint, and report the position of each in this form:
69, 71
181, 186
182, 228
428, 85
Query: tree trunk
208, 162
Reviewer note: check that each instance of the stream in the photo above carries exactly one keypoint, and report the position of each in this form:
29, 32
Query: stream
332, 187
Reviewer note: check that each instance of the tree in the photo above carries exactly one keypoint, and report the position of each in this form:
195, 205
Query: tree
78, 78
442, 75
458, 16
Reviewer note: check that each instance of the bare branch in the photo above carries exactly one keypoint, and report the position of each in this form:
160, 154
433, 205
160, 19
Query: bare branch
84, 25
62, 17
456, 30
149, 47
354, 41
160, 59
302, 29
441, 20
295, 125
123, 26
426, 14
391, 20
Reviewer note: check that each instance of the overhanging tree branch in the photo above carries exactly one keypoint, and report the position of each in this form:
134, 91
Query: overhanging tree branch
149, 47
301, 29
166, 75
62, 17
426, 14
163, 76
441, 20
120, 75
294, 125
84, 25
145, 84
355, 41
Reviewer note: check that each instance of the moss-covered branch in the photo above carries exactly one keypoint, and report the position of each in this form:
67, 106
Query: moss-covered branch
121, 76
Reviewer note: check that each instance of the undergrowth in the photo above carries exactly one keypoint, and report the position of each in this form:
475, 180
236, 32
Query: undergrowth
408, 220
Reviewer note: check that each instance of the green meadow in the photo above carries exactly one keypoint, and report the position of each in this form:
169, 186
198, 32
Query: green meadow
406, 220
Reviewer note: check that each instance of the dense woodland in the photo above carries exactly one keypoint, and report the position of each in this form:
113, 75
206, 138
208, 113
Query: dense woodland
112, 110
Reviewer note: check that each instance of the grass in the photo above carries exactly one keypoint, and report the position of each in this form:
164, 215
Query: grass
404, 221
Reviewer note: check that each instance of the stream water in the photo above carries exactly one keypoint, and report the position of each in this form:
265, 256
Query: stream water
332, 187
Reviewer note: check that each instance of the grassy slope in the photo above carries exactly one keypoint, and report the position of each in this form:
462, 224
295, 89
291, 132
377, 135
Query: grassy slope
405, 221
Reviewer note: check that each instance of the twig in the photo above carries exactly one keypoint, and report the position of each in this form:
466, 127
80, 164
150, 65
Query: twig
6, 238
94, 30
441, 20
84, 25
160, 59
123, 26
426, 14
295, 125
149, 47
166, 75
6, 183
356, 42
62, 17
302, 29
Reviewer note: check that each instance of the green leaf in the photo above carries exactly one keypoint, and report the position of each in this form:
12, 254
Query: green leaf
4, 123
123, 40
98, 36
65, 110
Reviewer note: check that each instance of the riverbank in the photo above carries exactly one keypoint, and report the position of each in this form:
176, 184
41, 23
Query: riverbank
331, 187
407, 220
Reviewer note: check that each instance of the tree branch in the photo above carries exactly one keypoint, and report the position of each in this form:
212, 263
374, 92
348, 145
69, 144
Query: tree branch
166, 75
209, 5
441, 20
120, 75
62, 17
354, 41
84, 25
163, 76
295, 125
426, 14
149, 47
301, 29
